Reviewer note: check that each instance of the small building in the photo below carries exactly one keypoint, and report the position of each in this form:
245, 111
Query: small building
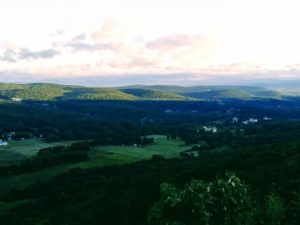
210, 129
267, 118
253, 120
15, 99
3, 143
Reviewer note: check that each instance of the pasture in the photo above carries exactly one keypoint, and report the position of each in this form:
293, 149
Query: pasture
17, 150
161, 146
98, 156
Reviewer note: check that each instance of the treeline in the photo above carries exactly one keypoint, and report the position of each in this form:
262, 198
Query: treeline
48, 157
122, 139
86, 120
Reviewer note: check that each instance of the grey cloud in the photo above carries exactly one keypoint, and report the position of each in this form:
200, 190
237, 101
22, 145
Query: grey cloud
13, 56
43, 54
9, 56
84, 46
80, 37
80, 43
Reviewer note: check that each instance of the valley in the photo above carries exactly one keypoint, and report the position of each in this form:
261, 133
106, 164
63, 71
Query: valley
108, 152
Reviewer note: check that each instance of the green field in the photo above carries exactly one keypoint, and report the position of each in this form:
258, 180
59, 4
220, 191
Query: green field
99, 156
161, 146
21, 149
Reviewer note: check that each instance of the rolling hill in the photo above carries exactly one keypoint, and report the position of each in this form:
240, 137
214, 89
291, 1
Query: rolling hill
213, 92
46, 92
154, 94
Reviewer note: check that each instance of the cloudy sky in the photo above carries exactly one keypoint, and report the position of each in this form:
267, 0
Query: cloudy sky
115, 42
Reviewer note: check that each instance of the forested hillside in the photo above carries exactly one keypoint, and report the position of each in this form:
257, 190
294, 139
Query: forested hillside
40, 91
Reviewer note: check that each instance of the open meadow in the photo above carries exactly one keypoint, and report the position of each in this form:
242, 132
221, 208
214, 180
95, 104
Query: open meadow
98, 156
17, 150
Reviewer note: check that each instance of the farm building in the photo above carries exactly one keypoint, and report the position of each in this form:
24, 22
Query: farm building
3, 143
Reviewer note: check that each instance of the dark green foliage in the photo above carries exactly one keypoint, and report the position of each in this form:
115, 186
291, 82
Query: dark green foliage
154, 94
104, 94
275, 210
224, 201
220, 94
44, 92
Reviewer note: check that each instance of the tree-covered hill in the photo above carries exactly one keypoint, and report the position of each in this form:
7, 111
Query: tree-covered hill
99, 94
154, 94
46, 91
214, 92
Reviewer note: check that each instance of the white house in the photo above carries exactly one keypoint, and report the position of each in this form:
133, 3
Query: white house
267, 118
253, 120
16, 99
210, 129
3, 143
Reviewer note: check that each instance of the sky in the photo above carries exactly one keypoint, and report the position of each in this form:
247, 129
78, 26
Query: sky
118, 42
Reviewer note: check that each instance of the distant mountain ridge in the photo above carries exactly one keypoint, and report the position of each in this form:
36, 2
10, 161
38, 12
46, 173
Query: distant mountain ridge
48, 91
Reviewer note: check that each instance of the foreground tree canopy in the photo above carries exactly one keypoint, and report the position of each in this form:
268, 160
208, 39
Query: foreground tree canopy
224, 201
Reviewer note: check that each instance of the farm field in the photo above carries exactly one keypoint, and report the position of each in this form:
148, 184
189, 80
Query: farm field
21, 149
161, 146
99, 156
30, 147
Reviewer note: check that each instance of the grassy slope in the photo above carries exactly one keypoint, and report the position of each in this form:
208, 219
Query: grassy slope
99, 156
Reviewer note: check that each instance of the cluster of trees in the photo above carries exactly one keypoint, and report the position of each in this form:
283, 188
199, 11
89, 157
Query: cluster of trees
240, 137
223, 201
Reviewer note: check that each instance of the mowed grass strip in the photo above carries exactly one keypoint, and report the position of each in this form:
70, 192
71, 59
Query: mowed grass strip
29, 147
